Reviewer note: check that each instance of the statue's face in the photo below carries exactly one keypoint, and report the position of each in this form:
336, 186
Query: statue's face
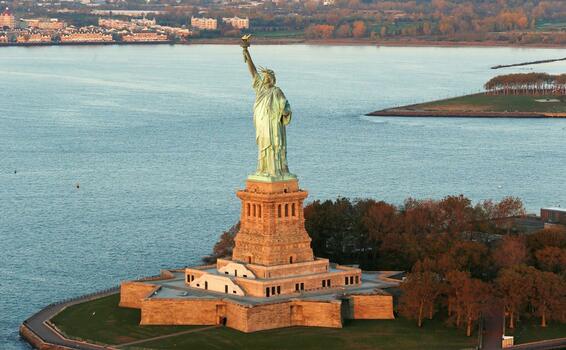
268, 79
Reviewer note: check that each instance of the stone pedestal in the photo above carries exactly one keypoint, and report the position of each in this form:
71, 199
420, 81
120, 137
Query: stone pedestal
272, 230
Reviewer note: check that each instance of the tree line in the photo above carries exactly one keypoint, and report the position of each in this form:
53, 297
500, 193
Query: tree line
461, 258
527, 84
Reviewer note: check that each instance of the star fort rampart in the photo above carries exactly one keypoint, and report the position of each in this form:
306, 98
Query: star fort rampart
272, 280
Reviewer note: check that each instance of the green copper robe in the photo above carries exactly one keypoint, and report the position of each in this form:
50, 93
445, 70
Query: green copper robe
272, 113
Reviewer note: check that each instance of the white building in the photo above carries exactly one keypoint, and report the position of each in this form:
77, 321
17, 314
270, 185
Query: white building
237, 22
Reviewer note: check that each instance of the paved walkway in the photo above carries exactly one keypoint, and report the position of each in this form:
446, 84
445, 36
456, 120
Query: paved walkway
164, 336
494, 327
38, 322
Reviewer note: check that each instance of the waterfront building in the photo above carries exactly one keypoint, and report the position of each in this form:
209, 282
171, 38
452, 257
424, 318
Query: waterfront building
553, 216
86, 37
38, 38
144, 37
237, 22
3, 38
7, 20
204, 23
181, 32
22, 38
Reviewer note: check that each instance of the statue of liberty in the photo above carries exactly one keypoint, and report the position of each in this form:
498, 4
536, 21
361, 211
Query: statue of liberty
272, 113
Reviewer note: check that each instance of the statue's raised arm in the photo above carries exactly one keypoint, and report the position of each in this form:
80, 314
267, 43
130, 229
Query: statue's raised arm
247, 57
272, 113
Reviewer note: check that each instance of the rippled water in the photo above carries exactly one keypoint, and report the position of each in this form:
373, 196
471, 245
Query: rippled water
160, 137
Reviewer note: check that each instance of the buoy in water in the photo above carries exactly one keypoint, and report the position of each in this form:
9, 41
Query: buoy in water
78, 185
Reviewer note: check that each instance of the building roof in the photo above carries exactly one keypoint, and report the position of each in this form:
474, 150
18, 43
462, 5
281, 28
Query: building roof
6, 12
562, 210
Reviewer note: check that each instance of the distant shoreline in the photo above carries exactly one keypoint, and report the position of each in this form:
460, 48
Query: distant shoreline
102, 43
482, 106
367, 42
394, 112
302, 41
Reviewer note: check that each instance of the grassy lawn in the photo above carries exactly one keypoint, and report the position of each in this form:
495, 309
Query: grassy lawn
109, 324
358, 334
482, 102
530, 330
113, 325
280, 34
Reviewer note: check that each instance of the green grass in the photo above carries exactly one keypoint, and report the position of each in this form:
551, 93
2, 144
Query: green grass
550, 25
109, 324
358, 334
292, 34
530, 331
498, 104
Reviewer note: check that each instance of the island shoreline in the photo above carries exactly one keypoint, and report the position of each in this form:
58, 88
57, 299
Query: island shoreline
484, 105
463, 114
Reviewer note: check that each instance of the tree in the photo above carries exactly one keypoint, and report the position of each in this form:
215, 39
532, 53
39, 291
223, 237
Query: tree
319, 31
344, 31
513, 286
509, 207
454, 280
427, 28
456, 213
548, 294
512, 250
330, 225
548, 237
359, 29
420, 291
470, 256
475, 295
551, 259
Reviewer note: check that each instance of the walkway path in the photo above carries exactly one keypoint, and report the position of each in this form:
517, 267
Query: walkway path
494, 328
39, 326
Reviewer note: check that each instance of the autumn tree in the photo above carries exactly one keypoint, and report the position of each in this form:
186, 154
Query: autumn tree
454, 280
359, 29
470, 256
552, 259
513, 286
319, 31
419, 292
456, 214
380, 219
509, 207
475, 295
548, 294
511, 251
344, 31
548, 237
